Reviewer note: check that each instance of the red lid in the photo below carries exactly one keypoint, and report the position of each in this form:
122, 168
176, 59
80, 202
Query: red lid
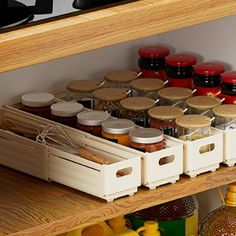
181, 60
153, 52
209, 68
229, 77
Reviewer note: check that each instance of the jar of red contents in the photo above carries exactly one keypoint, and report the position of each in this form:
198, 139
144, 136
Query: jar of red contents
179, 70
91, 121
66, 113
228, 87
152, 61
207, 78
37, 103
146, 139
163, 118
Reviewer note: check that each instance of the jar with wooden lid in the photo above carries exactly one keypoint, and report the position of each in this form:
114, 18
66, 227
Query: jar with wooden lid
82, 91
91, 121
108, 99
202, 105
152, 61
146, 88
136, 109
207, 78
66, 113
163, 118
174, 96
225, 116
146, 139
117, 130
37, 103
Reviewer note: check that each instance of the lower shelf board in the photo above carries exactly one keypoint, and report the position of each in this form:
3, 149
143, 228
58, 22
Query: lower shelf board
30, 206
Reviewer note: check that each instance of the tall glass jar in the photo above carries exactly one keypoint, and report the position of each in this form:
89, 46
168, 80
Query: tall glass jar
108, 99
82, 91
136, 109
146, 88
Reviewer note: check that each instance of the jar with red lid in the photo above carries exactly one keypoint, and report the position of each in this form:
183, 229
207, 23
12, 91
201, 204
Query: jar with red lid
207, 78
152, 61
228, 87
179, 70
146, 139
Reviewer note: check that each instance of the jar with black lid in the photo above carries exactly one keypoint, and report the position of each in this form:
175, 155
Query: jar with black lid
228, 87
179, 70
207, 78
152, 61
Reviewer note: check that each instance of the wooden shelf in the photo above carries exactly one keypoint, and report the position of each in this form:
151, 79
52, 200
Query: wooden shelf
104, 27
30, 206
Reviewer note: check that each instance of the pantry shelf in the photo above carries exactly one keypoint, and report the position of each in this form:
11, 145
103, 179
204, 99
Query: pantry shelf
104, 27
30, 206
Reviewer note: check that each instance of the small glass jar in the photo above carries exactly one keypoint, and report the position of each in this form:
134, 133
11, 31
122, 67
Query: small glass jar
91, 121
174, 96
152, 61
37, 103
82, 91
207, 78
117, 130
228, 87
146, 139
146, 88
225, 116
108, 99
163, 118
179, 70
202, 105
136, 109
66, 113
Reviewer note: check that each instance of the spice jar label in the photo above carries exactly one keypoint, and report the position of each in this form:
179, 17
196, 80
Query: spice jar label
144, 122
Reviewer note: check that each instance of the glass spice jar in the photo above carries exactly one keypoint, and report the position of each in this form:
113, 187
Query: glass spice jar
152, 61
108, 99
37, 103
207, 78
179, 70
146, 139
174, 96
117, 130
91, 121
66, 113
136, 109
163, 118
146, 88
82, 91
228, 87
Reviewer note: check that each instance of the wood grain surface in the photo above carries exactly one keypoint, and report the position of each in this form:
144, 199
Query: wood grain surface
88, 31
29, 206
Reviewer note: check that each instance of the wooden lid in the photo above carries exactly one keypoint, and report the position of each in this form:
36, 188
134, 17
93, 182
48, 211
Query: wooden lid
203, 102
84, 85
110, 94
147, 84
137, 103
193, 121
121, 76
165, 112
175, 93
225, 110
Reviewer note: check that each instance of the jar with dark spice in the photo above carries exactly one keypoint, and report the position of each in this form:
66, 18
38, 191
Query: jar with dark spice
136, 109
66, 113
146, 139
163, 118
108, 99
152, 61
91, 121
207, 78
179, 70
37, 103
